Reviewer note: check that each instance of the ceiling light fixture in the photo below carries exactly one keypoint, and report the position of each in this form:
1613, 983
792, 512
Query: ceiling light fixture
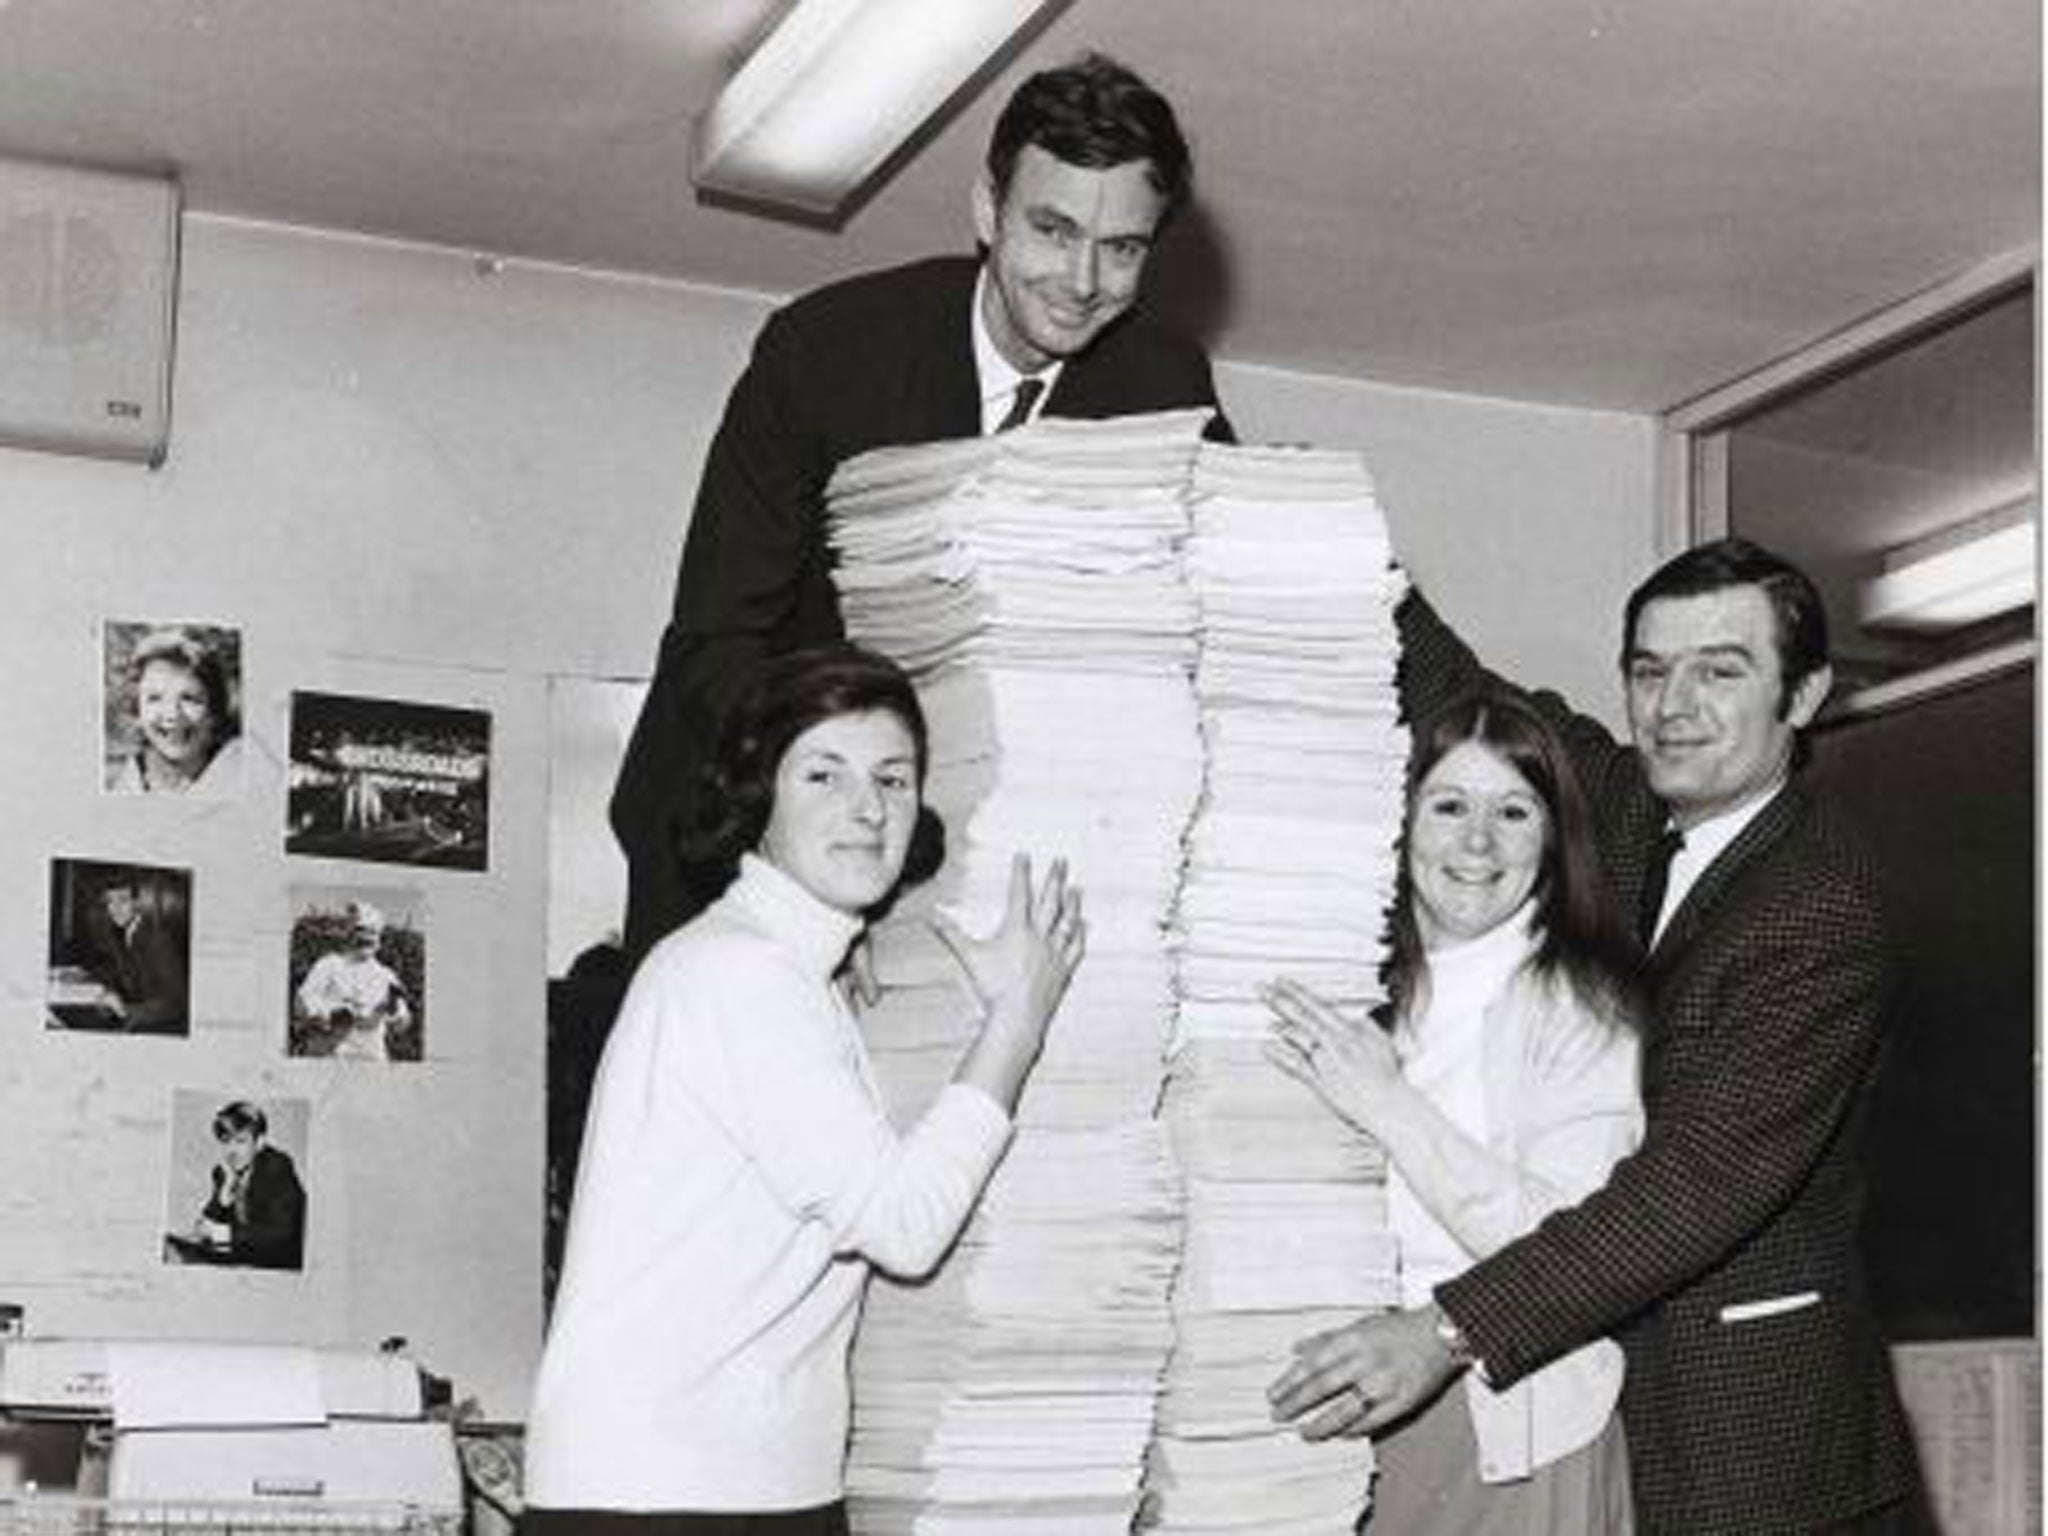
1962, 575
837, 87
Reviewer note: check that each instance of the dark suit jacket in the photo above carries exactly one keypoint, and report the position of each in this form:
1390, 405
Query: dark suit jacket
267, 1221
147, 968
1768, 990
875, 361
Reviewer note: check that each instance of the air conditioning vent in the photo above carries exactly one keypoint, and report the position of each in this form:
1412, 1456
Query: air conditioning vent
88, 291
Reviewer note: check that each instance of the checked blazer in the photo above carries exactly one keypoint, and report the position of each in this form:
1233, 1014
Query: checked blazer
1723, 1254
879, 360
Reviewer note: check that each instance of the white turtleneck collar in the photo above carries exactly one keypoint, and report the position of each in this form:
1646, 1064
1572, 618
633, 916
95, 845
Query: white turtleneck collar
1464, 978
817, 931
1501, 948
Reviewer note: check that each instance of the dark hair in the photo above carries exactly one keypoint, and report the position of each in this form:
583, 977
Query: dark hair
1094, 113
238, 1117
1580, 937
789, 695
183, 649
1800, 618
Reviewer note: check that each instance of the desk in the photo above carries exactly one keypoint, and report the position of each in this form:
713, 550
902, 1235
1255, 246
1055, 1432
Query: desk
80, 1000
179, 1249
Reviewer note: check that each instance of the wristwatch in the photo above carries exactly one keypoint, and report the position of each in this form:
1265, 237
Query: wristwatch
1452, 1337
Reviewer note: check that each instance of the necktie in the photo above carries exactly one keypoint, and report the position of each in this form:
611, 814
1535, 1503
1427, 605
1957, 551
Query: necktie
1026, 395
1657, 880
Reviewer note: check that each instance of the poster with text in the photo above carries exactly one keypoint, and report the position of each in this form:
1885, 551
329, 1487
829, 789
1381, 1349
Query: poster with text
389, 782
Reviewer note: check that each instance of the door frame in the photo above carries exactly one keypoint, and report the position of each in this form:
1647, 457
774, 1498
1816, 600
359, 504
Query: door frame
1692, 468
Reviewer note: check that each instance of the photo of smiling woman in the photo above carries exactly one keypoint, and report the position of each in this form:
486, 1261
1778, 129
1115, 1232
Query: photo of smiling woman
740, 1177
1505, 1089
173, 709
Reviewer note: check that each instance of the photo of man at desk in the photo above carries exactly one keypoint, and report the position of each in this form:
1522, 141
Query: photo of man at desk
254, 1214
120, 942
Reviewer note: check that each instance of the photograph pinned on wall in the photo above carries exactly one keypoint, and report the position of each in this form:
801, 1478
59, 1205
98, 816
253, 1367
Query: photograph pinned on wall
389, 782
120, 957
236, 1194
171, 708
358, 974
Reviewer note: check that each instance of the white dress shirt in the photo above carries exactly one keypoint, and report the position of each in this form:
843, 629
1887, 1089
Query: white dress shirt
998, 379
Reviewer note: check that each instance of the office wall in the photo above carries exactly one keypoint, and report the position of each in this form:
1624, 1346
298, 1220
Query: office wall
1527, 526
410, 474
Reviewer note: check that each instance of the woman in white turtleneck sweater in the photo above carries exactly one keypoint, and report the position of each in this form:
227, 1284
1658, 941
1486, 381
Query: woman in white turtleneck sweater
1506, 1089
740, 1175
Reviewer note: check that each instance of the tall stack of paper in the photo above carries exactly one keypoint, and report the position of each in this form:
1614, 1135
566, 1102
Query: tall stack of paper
1033, 584
1290, 869
1174, 666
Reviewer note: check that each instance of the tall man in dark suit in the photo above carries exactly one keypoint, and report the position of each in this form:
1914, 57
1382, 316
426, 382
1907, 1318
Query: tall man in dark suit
1723, 1254
1085, 164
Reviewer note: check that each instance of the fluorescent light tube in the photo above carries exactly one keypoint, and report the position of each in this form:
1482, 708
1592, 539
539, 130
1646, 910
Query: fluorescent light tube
1945, 583
837, 88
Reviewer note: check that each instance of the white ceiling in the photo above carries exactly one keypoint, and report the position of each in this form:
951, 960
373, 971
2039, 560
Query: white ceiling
1617, 203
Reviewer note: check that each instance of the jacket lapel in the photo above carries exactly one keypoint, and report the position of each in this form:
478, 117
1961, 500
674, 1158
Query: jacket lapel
1694, 912
940, 391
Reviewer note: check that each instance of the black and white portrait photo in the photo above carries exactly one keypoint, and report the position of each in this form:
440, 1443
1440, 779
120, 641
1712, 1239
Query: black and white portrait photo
237, 1192
389, 782
120, 957
171, 702
358, 974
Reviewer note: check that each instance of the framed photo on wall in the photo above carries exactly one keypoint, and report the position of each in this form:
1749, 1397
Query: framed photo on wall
120, 955
357, 974
171, 708
236, 1195
389, 782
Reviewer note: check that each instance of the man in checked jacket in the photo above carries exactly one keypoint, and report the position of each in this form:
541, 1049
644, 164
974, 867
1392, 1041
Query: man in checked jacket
1723, 1254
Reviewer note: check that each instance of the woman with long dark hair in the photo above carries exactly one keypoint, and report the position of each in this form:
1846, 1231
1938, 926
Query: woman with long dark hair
1505, 1088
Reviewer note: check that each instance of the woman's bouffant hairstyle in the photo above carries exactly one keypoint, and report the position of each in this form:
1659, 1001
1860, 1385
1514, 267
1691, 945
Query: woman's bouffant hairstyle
238, 1118
1580, 937
183, 649
791, 694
